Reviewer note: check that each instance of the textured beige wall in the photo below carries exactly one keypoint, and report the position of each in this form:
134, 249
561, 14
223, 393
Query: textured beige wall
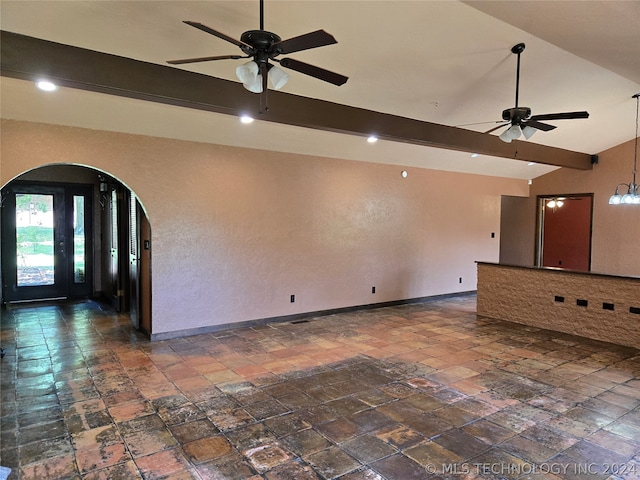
237, 231
615, 245
527, 295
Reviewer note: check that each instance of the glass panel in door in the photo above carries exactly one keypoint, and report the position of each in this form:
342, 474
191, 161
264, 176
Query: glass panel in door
34, 239
33, 242
79, 240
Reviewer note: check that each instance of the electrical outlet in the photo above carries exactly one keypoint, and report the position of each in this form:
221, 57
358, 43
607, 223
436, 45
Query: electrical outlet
373, 289
493, 234
460, 280
293, 298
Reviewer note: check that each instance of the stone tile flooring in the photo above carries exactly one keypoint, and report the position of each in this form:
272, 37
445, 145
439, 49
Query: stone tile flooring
410, 392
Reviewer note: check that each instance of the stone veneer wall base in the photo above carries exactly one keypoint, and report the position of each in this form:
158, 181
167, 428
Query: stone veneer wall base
596, 306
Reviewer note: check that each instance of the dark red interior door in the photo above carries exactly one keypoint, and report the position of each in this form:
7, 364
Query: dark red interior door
566, 241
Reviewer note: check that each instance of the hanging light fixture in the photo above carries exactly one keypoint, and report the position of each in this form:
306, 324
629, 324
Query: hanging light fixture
632, 197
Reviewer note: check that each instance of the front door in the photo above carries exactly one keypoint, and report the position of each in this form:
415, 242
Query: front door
46, 241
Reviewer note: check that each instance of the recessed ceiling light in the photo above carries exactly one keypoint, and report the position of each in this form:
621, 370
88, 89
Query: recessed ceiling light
246, 119
372, 139
46, 85
475, 155
404, 174
531, 163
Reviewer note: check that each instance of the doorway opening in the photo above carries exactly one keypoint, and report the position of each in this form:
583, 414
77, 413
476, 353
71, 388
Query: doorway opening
72, 232
564, 231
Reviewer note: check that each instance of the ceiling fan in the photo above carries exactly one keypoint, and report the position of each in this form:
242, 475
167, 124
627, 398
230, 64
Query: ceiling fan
263, 47
520, 119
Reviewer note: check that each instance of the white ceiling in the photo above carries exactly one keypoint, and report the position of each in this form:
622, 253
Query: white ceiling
446, 62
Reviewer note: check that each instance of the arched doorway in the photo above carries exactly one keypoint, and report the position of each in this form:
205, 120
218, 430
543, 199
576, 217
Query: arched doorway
72, 232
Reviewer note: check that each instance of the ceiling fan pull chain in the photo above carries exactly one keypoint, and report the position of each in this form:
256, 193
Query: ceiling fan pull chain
264, 107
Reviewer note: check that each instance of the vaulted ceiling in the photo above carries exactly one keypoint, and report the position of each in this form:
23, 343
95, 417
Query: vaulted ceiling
445, 62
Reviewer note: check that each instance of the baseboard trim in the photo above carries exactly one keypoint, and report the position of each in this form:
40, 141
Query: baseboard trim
154, 337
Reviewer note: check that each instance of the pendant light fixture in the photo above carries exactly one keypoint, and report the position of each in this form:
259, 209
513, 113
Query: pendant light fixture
632, 197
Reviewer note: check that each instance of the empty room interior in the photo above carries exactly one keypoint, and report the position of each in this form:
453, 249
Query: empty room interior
355, 240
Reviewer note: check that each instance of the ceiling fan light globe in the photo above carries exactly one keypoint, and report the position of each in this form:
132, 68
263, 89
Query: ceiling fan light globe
247, 72
254, 87
514, 132
278, 77
528, 132
505, 137
615, 199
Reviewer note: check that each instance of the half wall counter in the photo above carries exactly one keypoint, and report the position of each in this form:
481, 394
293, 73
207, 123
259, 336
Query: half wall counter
597, 306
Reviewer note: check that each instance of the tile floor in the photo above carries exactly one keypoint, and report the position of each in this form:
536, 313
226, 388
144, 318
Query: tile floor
411, 392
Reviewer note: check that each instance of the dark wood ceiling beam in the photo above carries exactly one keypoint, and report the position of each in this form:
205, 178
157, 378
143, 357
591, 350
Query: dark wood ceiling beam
30, 58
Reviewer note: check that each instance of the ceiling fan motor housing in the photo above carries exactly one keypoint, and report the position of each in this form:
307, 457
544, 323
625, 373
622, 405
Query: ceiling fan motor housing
516, 114
260, 39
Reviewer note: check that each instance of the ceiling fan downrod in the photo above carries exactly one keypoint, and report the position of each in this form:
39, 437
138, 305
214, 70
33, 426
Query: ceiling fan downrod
261, 14
518, 49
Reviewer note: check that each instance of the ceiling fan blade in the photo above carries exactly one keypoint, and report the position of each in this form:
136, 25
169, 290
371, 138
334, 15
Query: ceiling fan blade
319, 38
313, 71
560, 116
539, 125
205, 59
498, 127
221, 35
478, 123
